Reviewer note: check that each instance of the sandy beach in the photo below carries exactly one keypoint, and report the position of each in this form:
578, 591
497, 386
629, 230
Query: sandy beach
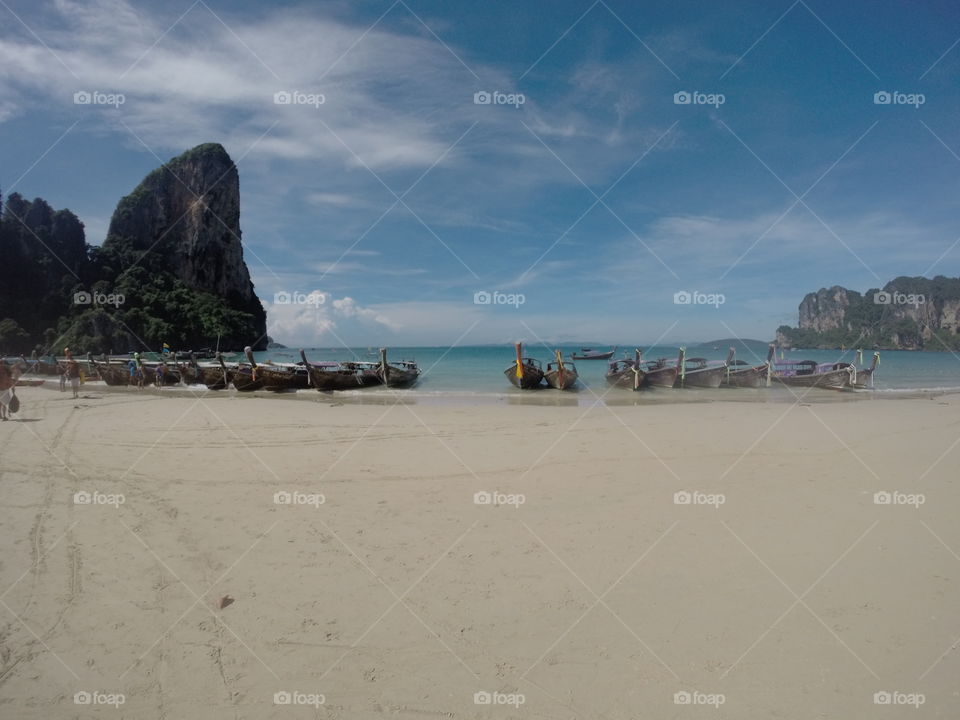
477, 562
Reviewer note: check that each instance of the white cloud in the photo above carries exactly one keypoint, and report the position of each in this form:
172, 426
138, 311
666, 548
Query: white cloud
336, 199
323, 319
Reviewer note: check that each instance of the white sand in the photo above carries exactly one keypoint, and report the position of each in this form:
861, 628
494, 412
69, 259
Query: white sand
599, 597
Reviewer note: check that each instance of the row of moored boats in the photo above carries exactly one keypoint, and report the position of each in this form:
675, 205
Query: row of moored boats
635, 373
249, 375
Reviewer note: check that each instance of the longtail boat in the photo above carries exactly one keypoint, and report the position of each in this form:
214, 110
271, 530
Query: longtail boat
742, 374
627, 373
283, 376
326, 376
864, 377
401, 374
524, 373
810, 373
658, 373
113, 375
189, 371
560, 375
214, 375
696, 372
243, 376
591, 354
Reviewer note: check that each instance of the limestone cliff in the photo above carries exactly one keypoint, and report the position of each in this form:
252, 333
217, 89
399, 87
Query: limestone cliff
825, 309
189, 210
171, 269
183, 220
908, 313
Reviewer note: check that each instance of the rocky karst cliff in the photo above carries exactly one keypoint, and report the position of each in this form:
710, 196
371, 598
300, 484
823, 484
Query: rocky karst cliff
172, 253
189, 212
908, 313
825, 309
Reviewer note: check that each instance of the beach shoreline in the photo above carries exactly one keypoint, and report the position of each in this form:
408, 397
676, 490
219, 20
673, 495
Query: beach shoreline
579, 396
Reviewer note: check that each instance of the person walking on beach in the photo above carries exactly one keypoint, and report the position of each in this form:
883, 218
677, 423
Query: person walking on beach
62, 371
8, 379
73, 373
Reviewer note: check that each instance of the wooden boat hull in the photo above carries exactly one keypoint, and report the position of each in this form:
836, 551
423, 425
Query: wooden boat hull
243, 379
531, 377
341, 378
661, 377
115, 375
600, 356
215, 378
628, 379
561, 379
189, 374
282, 379
833, 379
397, 377
705, 378
753, 377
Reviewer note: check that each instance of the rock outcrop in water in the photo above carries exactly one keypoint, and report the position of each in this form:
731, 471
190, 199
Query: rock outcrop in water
172, 263
908, 313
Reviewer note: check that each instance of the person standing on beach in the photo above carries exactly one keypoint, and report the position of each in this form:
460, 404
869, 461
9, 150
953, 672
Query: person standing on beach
8, 379
141, 373
73, 372
62, 371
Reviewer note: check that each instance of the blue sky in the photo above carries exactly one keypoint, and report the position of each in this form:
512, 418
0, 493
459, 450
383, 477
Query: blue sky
398, 198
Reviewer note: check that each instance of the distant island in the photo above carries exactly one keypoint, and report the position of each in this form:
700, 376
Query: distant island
908, 313
170, 270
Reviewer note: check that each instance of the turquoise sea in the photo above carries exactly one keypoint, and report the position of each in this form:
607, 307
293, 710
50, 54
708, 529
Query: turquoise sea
476, 372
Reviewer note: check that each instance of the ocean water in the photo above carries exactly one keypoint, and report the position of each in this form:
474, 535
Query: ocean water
477, 371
